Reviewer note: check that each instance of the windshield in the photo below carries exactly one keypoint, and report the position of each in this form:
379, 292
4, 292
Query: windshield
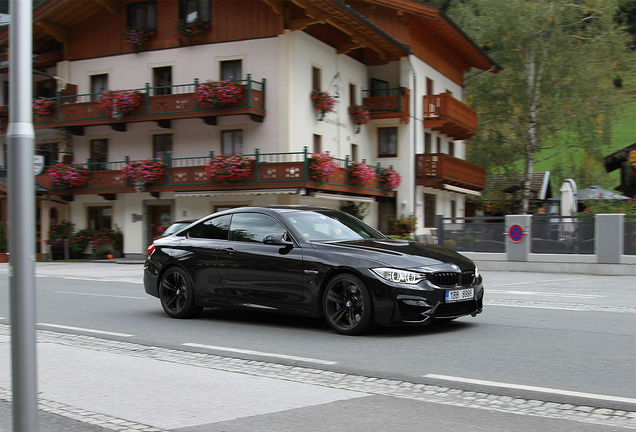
329, 225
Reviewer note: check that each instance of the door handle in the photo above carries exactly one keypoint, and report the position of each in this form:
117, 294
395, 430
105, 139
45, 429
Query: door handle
229, 251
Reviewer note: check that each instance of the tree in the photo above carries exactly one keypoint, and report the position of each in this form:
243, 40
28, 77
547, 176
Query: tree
555, 91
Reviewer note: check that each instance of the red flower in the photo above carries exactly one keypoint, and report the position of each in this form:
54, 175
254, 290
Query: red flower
390, 179
228, 168
360, 174
322, 166
323, 103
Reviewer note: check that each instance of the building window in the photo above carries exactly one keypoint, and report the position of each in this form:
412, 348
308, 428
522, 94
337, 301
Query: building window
100, 218
49, 151
317, 143
162, 80
353, 90
231, 70
453, 209
428, 143
439, 145
387, 142
354, 152
451, 148
5, 93
99, 83
99, 154
379, 88
429, 210
142, 14
191, 10
161, 145
46, 88
232, 141
430, 86
316, 78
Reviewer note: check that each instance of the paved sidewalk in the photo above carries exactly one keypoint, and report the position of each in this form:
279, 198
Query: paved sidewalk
92, 384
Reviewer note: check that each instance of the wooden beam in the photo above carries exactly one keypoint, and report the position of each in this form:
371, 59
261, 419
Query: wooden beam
278, 6
110, 5
59, 33
346, 48
301, 24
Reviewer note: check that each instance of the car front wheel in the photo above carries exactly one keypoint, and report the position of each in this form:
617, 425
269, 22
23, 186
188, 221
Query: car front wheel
347, 305
176, 294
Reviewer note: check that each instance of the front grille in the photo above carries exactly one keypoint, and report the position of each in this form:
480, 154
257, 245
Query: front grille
466, 277
443, 278
455, 309
411, 313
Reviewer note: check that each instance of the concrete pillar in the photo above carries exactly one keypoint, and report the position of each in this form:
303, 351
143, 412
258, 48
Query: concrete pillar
609, 235
518, 250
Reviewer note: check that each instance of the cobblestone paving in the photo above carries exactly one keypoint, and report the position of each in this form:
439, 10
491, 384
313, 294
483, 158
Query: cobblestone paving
561, 306
362, 384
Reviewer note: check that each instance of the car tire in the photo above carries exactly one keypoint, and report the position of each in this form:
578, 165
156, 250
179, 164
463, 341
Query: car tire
176, 294
347, 305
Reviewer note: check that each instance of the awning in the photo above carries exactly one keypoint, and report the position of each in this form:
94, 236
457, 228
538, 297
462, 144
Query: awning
343, 197
240, 192
461, 190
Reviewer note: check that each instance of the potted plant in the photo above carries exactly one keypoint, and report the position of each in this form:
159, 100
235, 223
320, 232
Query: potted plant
3, 243
42, 106
143, 172
360, 174
402, 226
229, 168
322, 166
59, 235
120, 102
188, 31
323, 103
118, 242
138, 36
389, 179
62, 176
219, 93
79, 241
360, 115
100, 241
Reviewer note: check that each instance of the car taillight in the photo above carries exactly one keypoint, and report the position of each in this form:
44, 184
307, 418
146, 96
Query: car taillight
151, 249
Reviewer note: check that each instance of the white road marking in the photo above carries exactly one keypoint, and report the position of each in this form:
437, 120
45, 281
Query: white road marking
85, 330
264, 354
545, 294
103, 295
539, 281
533, 388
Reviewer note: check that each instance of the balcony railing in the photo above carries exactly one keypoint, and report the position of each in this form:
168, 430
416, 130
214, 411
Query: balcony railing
388, 103
160, 104
270, 171
448, 116
438, 169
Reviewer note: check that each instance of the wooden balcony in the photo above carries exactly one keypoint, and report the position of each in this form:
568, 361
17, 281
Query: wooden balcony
438, 170
270, 171
446, 115
389, 103
159, 104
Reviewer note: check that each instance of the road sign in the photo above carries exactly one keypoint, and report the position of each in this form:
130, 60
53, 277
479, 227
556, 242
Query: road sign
516, 233
632, 157
38, 164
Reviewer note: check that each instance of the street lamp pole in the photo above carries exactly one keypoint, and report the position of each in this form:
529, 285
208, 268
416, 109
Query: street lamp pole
21, 199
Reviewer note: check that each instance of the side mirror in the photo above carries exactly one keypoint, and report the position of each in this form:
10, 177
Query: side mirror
281, 239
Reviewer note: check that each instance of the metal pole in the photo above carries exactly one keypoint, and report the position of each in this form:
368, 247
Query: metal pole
21, 199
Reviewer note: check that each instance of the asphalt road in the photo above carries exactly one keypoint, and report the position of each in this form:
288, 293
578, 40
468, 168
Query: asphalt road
572, 337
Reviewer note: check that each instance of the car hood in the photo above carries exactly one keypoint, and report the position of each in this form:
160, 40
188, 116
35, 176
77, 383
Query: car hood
398, 253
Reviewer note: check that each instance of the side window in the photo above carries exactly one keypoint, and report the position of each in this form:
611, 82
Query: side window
142, 14
194, 10
253, 227
215, 228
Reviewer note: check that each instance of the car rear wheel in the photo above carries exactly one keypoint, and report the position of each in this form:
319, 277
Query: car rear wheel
176, 294
347, 305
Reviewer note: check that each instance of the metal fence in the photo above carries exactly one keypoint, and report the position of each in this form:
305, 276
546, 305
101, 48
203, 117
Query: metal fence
477, 234
549, 234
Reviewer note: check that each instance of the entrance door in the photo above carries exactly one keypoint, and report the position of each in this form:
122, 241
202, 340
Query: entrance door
160, 217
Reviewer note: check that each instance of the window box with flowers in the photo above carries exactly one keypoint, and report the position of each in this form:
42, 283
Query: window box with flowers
138, 36
120, 102
62, 176
189, 31
360, 115
389, 179
143, 172
322, 166
361, 174
229, 168
219, 93
323, 103
42, 107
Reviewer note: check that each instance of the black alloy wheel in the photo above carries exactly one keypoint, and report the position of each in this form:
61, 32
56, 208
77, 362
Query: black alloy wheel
176, 294
347, 305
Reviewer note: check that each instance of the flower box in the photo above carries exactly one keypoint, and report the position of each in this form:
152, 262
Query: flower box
119, 102
62, 176
143, 172
360, 174
219, 93
323, 103
389, 179
229, 168
322, 166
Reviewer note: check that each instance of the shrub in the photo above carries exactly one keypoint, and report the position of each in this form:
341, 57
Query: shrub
401, 226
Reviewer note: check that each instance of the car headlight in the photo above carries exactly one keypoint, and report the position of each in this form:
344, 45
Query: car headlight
398, 276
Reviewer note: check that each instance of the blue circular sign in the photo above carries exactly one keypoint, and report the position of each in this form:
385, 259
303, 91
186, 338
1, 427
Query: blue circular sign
516, 233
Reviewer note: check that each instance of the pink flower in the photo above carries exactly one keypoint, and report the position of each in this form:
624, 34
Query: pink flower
145, 171
323, 102
219, 93
389, 179
228, 168
62, 176
360, 174
322, 166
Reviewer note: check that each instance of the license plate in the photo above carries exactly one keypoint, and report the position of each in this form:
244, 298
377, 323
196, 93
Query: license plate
460, 295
